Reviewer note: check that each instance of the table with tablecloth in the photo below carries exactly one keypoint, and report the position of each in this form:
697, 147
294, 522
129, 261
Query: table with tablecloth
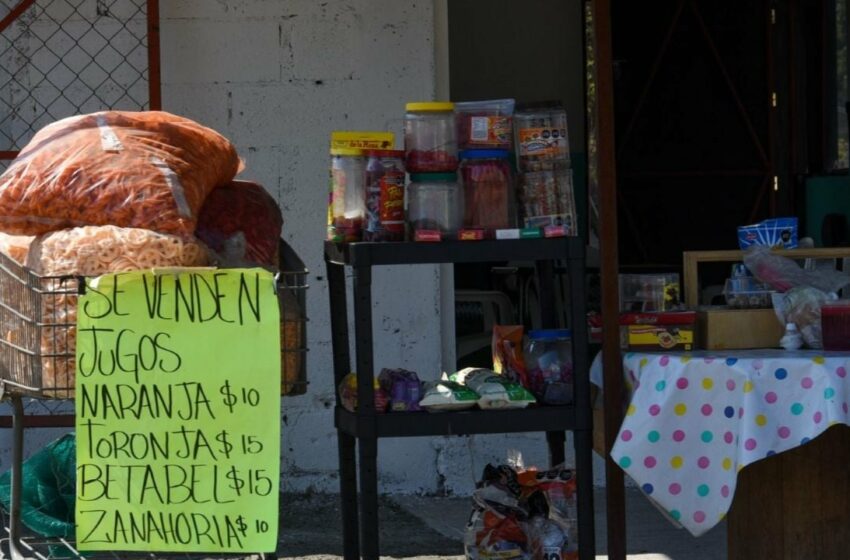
696, 419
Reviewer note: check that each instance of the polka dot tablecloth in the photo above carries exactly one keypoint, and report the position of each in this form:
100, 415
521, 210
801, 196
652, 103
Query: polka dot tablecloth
697, 419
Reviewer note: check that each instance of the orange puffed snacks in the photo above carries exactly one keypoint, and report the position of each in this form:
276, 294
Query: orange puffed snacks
150, 170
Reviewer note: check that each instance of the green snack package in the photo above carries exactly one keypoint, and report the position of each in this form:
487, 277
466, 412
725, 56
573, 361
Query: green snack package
494, 390
447, 395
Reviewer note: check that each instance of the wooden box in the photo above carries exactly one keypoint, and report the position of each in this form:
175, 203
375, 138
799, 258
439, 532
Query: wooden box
737, 329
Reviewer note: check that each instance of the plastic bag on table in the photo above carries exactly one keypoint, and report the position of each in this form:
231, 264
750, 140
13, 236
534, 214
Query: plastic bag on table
241, 222
48, 489
149, 169
783, 273
802, 306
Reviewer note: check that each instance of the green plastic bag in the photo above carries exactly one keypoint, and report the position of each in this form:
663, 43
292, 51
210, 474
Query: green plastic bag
48, 489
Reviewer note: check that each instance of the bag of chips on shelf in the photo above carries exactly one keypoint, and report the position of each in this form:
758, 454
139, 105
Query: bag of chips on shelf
348, 394
445, 395
507, 353
149, 170
494, 390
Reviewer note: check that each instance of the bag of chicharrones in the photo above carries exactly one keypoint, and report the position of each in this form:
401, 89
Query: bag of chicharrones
92, 251
150, 170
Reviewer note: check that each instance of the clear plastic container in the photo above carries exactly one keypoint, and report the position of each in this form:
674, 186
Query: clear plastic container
649, 292
430, 141
542, 141
434, 204
549, 360
485, 124
487, 189
347, 204
747, 293
547, 199
384, 196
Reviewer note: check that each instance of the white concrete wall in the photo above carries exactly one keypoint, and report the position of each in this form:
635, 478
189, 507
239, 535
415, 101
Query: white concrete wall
276, 77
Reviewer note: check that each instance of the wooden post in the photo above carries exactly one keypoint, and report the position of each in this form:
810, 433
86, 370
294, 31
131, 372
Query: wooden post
607, 178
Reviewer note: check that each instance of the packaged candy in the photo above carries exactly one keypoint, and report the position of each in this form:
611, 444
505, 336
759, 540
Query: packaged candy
495, 391
507, 353
348, 394
403, 387
485, 124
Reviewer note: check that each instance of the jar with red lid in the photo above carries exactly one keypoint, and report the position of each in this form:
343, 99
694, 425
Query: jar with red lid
430, 140
384, 196
487, 189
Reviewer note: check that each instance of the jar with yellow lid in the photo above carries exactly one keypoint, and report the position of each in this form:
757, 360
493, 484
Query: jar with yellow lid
430, 139
347, 201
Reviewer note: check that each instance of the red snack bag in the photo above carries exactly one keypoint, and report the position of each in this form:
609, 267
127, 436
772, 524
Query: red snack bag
499, 528
507, 353
245, 208
149, 170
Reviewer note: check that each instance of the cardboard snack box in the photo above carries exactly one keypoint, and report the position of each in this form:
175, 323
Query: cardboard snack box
722, 328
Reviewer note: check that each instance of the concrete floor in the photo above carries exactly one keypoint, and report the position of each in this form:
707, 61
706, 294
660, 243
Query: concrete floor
428, 527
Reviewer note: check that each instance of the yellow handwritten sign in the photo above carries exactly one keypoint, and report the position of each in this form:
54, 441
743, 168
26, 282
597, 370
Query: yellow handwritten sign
178, 414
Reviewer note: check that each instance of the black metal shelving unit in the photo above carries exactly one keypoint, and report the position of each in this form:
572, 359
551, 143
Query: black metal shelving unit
358, 433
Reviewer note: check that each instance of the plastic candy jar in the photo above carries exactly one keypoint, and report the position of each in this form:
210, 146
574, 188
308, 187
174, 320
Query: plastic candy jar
430, 141
384, 196
488, 190
549, 359
434, 205
347, 204
541, 136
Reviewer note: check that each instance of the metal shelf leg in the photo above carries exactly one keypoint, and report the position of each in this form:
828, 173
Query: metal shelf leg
369, 497
17, 479
348, 491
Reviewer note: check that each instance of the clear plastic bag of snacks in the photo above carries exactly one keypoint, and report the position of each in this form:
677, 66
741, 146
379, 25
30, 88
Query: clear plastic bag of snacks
241, 222
149, 170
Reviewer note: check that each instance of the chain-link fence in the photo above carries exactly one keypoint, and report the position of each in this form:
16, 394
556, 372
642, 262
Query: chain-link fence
65, 57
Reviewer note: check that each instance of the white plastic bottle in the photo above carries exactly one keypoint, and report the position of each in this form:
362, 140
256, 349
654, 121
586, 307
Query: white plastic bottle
791, 340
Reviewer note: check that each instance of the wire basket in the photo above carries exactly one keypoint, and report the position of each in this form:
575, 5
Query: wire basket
38, 328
